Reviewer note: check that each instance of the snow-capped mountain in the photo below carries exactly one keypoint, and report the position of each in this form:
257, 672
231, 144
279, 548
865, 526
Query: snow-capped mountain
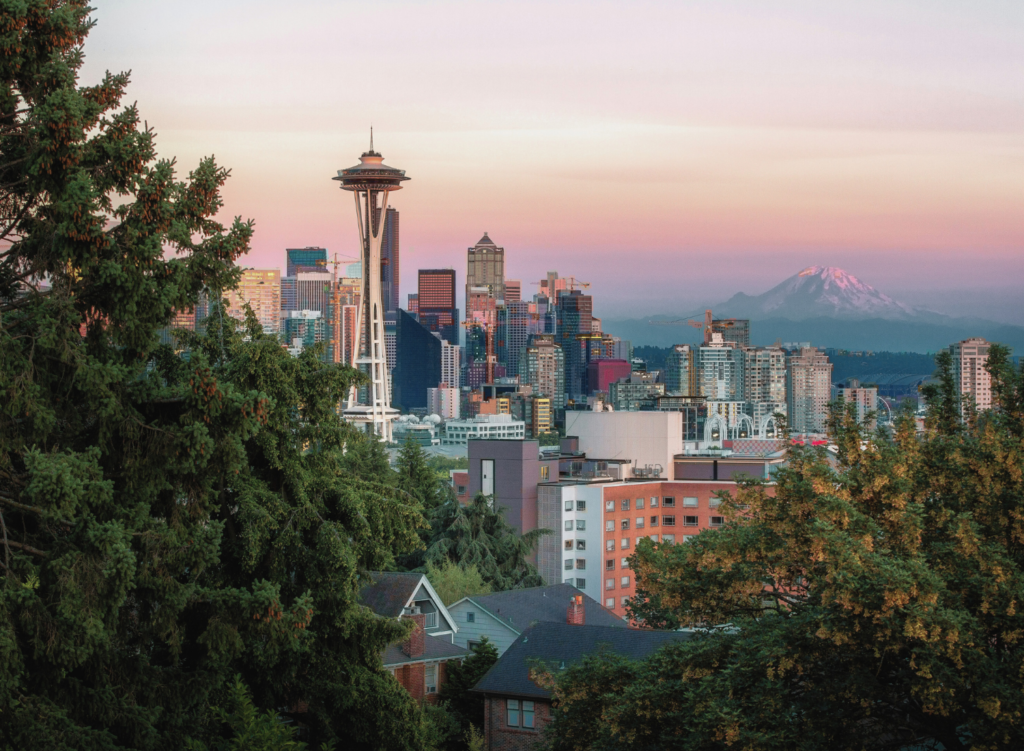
820, 291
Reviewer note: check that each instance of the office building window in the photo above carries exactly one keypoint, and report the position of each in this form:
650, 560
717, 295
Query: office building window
668, 538
568, 505
609, 564
430, 678
609, 526
625, 523
715, 502
624, 543
654, 538
568, 564
581, 544
654, 501
689, 538
609, 602
609, 584
717, 521
624, 601
609, 505
581, 563
625, 564
568, 525
512, 713
668, 521
544, 473
581, 505
568, 544
625, 504
470, 617
669, 501
689, 521
639, 503
624, 582
609, 544
690, 502
639, 522
581, 524
581, 584
654, 521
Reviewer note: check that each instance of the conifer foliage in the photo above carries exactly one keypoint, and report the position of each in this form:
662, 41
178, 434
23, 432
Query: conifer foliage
872, 601
167, 521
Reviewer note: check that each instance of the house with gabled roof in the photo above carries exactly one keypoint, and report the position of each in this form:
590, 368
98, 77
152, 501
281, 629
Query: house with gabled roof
503, 616
419, 663
516, 708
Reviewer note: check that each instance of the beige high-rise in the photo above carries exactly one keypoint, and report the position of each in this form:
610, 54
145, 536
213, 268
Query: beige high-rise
972, 380
261, 288
485, 267
808, 390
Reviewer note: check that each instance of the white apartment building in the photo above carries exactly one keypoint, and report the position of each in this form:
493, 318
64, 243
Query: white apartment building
443, 402
972, 380
486, 427
450, 354
864, 399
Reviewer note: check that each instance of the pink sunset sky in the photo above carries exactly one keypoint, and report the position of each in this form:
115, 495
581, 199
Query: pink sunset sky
671, 153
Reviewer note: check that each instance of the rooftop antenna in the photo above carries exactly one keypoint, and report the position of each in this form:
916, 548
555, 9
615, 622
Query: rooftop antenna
371, 138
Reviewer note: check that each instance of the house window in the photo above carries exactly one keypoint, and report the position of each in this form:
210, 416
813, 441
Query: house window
581, 544
581, 584
668, 538
568, 505
690, 502
609, 564
581, 505
609, 505
470, 617
625, 582
430, 620
625, 564
625, 504
581, 524
528, 714
568, 525
460, 489
609, 584
625, 523
568, 564
609, 526
654, 501
609, 602
715, 502
654, 521
581, 563
717, 521
568, 544
669, 501
512, 713
430, 678
471, 645
624, 543
609, 544
668, 521
689, 521
639, 522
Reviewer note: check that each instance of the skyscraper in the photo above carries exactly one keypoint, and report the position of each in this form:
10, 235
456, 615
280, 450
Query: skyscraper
261, 288
681, 371
973, 382
808, 390
486, 268
574, 312
720, 371
542, 367
733, 330
305, 259
517, 322
513, 290
451, 364
435, 300
417, 362
389, 262
371, 182
764, 375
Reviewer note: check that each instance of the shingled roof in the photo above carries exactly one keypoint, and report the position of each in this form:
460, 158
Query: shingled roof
520, 608
561, 644
434, 648
387, 592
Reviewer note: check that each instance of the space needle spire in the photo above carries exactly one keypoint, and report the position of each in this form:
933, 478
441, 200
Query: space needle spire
370, 182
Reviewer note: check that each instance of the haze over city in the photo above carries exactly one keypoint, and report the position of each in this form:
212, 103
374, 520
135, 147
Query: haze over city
669, 155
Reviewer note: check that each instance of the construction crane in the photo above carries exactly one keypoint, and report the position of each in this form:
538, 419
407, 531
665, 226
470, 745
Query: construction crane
708, 324
571, 283
336, 352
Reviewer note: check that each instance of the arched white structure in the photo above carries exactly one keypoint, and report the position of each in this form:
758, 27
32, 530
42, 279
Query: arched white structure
744, 424
768, 422
715, 423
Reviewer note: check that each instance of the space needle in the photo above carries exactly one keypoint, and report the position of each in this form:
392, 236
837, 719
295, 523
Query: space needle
370, 182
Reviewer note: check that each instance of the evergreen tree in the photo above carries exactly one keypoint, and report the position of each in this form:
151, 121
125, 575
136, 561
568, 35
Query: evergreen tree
166, 521
416, 477
867, 601
452, 582
456, 696
479, 535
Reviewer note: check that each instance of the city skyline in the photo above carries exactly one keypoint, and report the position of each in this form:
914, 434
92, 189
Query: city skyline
747, 142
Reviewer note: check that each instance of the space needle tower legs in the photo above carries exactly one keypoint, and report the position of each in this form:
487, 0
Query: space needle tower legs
370, 182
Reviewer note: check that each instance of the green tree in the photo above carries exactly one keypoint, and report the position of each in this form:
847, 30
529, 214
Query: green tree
452, 582
464, 705
166, 522
870, 602
416, 477
479, 535
245, 728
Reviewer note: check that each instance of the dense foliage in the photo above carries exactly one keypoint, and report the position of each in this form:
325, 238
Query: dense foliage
478, 535
166, 521
466, 707
870, 602
453, 581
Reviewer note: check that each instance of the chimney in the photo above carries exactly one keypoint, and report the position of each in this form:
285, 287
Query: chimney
575, 614
413, 646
